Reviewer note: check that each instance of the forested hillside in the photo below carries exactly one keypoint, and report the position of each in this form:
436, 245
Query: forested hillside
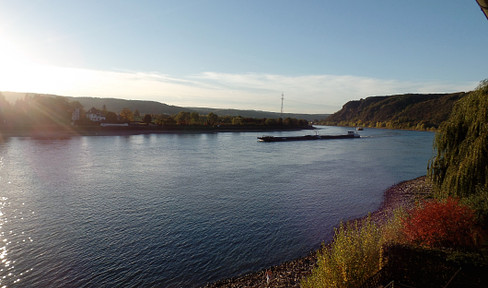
117, 105
407, 111
259, 114
35, 114
153, 107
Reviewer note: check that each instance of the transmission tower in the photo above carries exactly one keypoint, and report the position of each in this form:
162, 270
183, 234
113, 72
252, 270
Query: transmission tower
282, 98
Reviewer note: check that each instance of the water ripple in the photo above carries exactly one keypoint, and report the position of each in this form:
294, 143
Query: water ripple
182, 210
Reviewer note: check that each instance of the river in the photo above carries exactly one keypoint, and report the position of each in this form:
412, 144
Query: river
181, 210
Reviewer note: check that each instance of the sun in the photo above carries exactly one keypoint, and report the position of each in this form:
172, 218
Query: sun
15, 68
21, 72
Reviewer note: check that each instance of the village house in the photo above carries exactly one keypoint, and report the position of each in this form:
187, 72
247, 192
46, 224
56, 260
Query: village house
95, 115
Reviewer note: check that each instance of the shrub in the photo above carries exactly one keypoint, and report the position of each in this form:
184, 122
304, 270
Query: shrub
391, 229
352, 257
479, 203
440, 224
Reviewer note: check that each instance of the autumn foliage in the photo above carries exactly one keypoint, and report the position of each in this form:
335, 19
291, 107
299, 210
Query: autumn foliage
445, 223
352, 258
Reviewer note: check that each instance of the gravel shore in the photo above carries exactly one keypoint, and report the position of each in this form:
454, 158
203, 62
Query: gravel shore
290, 273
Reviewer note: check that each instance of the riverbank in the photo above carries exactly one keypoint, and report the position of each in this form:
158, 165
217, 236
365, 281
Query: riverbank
289, 274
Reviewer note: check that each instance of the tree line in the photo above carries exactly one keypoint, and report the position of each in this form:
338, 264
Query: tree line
38, 111
35, 111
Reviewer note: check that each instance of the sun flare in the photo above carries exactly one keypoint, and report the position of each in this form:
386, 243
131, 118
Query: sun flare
20, 73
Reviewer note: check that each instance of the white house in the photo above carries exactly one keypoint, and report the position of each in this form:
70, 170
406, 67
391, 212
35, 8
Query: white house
95, 115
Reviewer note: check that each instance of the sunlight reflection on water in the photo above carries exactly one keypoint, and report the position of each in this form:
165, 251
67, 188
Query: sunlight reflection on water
180, 210
9, 273
5, 270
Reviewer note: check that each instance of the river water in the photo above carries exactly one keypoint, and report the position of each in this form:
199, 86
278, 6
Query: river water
181, 210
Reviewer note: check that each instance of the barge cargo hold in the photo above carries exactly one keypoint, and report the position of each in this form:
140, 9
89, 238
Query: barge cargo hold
350, 134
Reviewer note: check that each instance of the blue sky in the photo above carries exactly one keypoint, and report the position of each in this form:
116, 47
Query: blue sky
242, 54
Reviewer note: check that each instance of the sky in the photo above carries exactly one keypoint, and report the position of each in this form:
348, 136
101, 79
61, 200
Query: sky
242, 54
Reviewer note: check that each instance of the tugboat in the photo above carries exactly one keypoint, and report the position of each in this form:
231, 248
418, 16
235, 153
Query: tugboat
349, 135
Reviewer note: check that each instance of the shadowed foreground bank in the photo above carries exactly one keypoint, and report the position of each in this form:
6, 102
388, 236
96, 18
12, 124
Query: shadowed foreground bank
290, 273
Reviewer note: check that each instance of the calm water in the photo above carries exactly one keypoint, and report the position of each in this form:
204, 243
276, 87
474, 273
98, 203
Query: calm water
181, 210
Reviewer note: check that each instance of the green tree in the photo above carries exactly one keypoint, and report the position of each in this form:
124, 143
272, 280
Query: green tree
212, 119
49, 110
271, 122
137, 115
460, 166
147, 118
290, 122
4, 107
483, 85
169, 122
238, 120
182, 118
111, 117
194, 118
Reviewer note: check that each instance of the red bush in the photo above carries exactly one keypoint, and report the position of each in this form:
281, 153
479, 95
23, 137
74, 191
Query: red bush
440, 224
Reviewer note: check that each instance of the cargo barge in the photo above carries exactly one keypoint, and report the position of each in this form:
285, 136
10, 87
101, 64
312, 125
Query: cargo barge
350, 134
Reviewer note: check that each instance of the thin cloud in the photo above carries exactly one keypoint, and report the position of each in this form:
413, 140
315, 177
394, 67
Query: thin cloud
303, 94
317, 93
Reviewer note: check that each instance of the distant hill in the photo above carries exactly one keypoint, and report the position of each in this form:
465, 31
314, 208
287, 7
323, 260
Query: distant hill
116, 105
153, 107
259, 114
406, 111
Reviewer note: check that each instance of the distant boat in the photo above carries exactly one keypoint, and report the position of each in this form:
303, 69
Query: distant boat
359, 128
349, 135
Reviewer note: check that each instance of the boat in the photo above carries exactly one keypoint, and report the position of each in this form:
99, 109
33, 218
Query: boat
349, 135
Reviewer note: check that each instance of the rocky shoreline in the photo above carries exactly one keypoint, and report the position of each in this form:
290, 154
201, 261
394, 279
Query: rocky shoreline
290, 273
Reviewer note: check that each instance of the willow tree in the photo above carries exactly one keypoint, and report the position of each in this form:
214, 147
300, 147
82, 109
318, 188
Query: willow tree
460, 166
